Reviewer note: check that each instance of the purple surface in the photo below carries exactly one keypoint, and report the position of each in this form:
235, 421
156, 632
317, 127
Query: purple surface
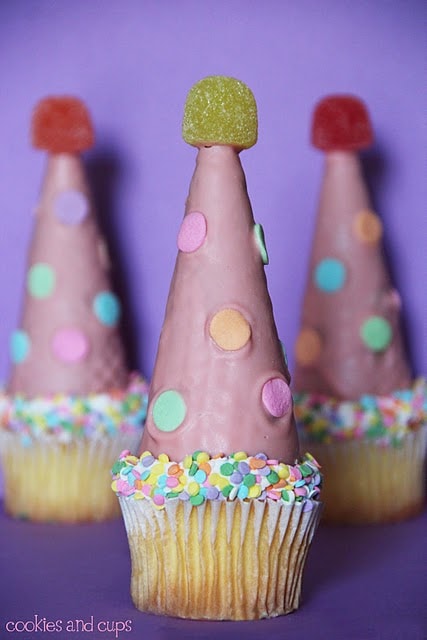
133, 63
366, 583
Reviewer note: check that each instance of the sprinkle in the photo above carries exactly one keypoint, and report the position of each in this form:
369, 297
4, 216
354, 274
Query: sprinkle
228, 478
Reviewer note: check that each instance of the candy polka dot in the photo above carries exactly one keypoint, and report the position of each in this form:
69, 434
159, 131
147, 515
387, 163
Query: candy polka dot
19, 346
70, 345
169, 410
330, 275
308, 347
192, 233
230, 330
376, 333
276, 397
71, 207
260, 241
285, 355
367, 227
107, 309
41, 280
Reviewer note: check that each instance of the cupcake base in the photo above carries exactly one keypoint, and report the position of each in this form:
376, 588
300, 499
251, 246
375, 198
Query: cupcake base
51, 481
368, 483
219, 561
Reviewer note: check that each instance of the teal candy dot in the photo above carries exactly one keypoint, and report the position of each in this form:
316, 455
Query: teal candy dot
19, 346
169, 410
260, 240
41, 280
376, 333
106, 307
329, 275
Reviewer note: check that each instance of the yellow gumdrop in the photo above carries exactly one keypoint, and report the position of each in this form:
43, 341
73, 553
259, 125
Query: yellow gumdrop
283, 471
220, 111
163, 457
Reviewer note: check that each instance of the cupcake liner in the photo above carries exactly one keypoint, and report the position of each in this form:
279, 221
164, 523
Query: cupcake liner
221, 560
61, 482
367, 482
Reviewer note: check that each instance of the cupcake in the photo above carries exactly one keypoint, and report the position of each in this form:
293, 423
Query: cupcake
71, 404
219, 506
356, 404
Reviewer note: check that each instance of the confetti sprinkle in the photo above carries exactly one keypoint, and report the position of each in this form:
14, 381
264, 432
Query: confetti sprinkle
235, 476
62, 417
384, 420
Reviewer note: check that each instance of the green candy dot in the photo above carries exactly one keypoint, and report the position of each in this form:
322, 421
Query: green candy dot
197, 500
226, 490
226, 469
41, 280
376, 333
169, 410
249, 480
273, 477
260, 240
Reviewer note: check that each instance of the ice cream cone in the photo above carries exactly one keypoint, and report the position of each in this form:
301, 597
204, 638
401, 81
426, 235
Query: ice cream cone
220, 424
352, 372
67, 354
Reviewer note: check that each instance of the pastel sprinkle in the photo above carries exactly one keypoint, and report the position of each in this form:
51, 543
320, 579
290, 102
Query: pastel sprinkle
330, 275
19, 346
376, 333
159, 482
71, 207
383, 420
192, 233
41, 280
107, 308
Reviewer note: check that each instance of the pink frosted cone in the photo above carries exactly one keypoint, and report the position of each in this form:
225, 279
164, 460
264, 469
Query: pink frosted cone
70, 398
220, 385
350, 343
70, 315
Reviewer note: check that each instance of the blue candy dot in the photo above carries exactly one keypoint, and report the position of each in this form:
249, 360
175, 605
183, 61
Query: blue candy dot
106, 307
19, 346
329, 275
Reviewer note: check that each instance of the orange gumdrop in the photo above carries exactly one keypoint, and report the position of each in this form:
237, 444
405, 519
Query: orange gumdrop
62, 125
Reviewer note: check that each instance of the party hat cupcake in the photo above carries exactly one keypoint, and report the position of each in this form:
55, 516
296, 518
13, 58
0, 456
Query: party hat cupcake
356, 405
71, 403
218, 505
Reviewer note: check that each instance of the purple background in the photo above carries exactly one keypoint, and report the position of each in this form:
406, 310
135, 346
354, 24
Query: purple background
133, 62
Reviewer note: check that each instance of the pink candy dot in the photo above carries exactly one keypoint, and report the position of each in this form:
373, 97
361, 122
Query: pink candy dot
276, 397
158, 500
70, 345
172, 482
192, 233
71, 207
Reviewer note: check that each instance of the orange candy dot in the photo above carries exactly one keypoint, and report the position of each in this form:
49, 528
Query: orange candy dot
257, 463
206, 467
308, 347
367, 227
174, 469
230, 330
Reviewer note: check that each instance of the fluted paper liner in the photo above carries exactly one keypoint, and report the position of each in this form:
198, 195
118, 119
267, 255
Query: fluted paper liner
221, 560
61, 482
368, 483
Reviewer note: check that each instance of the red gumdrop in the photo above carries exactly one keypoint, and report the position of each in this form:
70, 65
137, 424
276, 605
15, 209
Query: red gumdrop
341, 123
62, 125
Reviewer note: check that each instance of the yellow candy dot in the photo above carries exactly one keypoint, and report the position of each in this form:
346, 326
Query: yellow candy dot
132, 459
214, 478
255, 491
202, 457
222, 483
240, 455
367, 227
230, 330
114, 486
308, 347
145, 454
188, 461
183, 480
138, 496
193, 488
220, 111
157, 469
283, 471
163, 457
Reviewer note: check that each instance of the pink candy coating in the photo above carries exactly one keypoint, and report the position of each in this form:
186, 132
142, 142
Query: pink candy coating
192, 233
276, 397
70, 345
